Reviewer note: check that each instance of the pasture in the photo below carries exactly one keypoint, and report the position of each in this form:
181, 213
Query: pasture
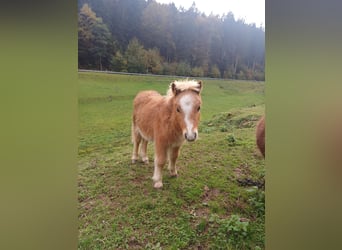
216, 202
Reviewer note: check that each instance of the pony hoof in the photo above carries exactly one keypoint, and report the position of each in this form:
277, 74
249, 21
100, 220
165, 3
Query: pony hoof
158, 184
134, 161
145, 160
174, 175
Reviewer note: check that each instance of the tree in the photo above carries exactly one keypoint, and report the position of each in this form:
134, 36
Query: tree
94, 40
136, 57
169, 68
183, 69
154, 61
157, 26
228, 73
215, 72
197, 72
119, 62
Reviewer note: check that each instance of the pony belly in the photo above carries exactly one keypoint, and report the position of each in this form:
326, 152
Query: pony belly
144, 134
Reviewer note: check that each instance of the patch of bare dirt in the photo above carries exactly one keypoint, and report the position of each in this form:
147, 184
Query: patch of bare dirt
202, 212
133, 243
243, 173
209, 194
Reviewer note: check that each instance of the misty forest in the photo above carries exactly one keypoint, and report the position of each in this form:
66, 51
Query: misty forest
139, 36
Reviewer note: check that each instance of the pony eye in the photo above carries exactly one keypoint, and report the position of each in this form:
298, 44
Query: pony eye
199, 108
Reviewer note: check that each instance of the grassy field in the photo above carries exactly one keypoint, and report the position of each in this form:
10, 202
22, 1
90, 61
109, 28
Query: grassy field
217, 201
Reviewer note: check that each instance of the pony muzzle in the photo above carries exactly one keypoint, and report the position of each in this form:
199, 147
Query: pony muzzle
190, 136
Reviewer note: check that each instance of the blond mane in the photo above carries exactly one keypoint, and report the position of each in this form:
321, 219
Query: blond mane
184, 85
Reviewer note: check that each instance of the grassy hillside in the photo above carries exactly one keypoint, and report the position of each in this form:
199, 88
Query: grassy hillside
217, 201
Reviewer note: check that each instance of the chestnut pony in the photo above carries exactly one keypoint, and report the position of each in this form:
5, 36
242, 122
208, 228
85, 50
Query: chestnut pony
167, 121
260, 135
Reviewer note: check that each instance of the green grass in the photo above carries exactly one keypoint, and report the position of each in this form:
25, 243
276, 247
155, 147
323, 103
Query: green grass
217, 202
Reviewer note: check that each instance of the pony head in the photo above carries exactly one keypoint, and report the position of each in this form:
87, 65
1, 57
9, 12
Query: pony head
187, 106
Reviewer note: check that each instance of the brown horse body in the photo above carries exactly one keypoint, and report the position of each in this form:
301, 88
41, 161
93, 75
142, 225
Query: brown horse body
260, 135
167, 121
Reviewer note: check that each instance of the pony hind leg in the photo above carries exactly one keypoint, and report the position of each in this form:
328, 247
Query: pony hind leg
136, 139
143, 151
173, 155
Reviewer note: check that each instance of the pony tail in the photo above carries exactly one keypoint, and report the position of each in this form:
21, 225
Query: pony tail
132, 131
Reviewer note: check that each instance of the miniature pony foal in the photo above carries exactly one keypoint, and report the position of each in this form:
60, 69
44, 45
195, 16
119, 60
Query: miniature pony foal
167, 121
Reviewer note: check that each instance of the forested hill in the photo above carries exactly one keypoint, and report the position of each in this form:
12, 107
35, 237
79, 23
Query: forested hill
149, 37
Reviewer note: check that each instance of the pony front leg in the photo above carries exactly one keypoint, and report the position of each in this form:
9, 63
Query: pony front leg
173, 155
159, 162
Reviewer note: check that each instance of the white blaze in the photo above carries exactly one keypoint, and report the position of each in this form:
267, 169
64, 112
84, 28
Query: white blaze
186, 106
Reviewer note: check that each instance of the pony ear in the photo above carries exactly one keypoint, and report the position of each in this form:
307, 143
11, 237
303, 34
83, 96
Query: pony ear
200, 86
175, 91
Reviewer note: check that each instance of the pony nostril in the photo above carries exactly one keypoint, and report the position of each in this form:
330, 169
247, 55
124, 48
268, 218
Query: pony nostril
190, 137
